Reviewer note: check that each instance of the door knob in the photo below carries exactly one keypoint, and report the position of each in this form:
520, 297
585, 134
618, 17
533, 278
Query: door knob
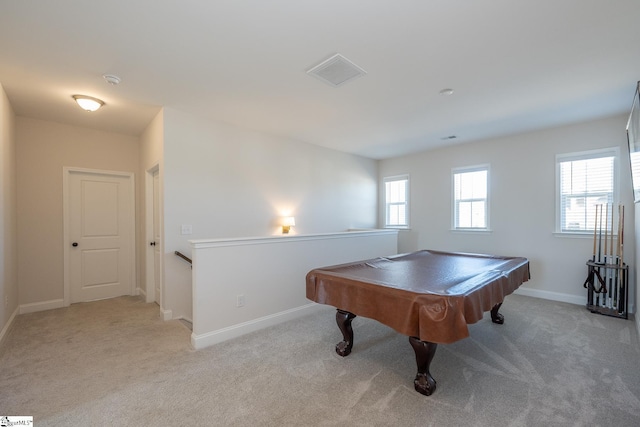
152, 244
74, 244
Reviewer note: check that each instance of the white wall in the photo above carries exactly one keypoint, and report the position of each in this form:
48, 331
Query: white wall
636, 264
151, 148
522, 202
43, 148
269, 274
8, 234
228, 182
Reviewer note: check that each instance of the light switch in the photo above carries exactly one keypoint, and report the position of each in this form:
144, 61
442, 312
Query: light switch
186, 229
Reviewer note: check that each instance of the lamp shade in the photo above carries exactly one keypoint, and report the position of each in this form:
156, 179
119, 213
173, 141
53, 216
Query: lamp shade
88, 103
289, 221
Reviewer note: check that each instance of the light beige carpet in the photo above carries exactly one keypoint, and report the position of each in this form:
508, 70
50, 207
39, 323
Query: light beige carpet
115, 363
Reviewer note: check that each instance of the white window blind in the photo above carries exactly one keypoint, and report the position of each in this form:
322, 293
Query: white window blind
396, 201
585, 180
470, 198
635, 172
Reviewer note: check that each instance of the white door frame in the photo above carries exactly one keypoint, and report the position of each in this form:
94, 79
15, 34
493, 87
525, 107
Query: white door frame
66, 241
150, 287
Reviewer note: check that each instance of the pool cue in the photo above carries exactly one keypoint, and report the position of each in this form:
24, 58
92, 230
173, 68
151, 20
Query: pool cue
591, 277
612, 260
609, 260
595, 230
600, 258
613, 287
621, 259
606, 256
599, 253
600, 234
618, 275
621, 299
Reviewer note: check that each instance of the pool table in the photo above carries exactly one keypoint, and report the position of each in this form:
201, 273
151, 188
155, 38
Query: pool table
428, 295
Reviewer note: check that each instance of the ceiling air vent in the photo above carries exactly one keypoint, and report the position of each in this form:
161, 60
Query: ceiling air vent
336, 71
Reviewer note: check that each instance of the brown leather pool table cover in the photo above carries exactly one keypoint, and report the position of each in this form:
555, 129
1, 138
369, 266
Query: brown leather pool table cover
427, 294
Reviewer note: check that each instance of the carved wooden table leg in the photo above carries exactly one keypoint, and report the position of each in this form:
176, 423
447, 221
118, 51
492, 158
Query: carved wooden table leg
425, 350
344, 318
495, 316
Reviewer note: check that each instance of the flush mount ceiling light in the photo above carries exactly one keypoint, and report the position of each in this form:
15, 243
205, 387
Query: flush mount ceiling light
88, 103
446, 92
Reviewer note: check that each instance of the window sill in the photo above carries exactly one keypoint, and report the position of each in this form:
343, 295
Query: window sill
578, 235
472, 230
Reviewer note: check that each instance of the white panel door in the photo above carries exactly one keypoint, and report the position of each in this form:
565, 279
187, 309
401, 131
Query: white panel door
101, 226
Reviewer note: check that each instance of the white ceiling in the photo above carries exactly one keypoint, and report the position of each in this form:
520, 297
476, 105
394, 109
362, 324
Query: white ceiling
515, 65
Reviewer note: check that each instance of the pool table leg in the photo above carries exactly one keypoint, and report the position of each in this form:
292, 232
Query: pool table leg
344, 318
425, 350
495, 316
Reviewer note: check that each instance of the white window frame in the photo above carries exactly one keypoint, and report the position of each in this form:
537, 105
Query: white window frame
454, 204
387, 203
585, 155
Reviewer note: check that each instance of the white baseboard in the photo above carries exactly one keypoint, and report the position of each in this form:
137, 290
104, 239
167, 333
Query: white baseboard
553, 296
188, 319
41, 306
6, 328
215, 337
556, 296
140, 291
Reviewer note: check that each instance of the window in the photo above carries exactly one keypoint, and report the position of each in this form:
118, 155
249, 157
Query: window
396, 199
470, 198
584, 180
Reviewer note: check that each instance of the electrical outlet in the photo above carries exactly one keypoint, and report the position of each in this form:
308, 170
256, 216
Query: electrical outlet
186, 229
240, 301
